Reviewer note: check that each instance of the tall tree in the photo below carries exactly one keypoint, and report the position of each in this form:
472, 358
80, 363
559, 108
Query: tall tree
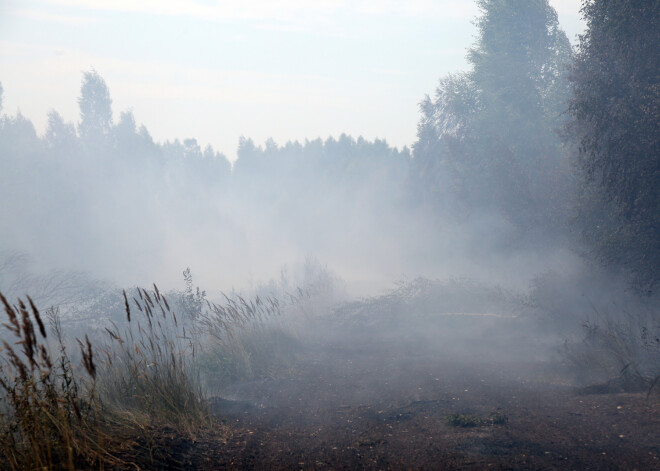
615, 110
59, 134
489, 135
95, 109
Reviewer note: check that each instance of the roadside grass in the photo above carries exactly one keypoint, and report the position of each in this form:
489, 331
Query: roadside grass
147, 368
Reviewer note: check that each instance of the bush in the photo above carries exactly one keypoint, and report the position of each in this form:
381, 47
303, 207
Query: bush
625, 352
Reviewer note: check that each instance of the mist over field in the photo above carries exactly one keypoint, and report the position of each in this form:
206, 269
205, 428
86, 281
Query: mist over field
509, 256
104, 198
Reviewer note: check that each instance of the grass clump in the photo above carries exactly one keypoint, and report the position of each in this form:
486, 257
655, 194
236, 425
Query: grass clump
117, 409
243, 340
498, 418
135, 393
48, 412
148, 367
463, 420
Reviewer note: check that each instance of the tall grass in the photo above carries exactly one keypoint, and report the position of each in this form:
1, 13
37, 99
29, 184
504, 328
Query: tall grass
49, 413
103, 403
243, 340
55, 415
147, 368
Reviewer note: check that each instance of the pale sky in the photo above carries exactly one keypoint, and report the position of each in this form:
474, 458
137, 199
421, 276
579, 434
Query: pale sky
218, 70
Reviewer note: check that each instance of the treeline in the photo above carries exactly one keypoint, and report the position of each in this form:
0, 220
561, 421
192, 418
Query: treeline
534, 144
557, 141
100, 189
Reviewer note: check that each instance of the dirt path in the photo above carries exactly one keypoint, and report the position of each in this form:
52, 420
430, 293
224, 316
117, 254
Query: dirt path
381, 412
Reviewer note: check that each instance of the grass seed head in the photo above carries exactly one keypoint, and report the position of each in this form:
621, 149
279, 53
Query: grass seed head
127, 306
35, 313
88, 357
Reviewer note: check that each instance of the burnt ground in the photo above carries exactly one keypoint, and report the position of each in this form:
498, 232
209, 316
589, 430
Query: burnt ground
379, 401
358, 409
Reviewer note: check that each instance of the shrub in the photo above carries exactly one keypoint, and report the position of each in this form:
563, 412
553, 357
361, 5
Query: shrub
626, 349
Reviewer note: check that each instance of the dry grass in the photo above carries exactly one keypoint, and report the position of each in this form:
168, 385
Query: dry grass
242, 340
625, 350
110, 402
49, 415
147, 368
55, 415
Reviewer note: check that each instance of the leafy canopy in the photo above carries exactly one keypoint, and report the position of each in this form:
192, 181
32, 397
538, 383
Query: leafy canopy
488, 138
615, 111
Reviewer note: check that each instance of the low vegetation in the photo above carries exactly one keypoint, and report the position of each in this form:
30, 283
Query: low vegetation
627, 354
145, 389
50, 411
146, 375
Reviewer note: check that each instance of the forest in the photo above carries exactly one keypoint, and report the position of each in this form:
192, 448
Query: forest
487, 298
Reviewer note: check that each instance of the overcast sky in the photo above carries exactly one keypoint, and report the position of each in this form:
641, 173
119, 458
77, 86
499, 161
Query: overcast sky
217, 70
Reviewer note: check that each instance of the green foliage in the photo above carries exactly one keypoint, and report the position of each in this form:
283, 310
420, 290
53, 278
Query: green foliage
192, 300
248, 355
463, 420
615, 112
242, 340
498, 418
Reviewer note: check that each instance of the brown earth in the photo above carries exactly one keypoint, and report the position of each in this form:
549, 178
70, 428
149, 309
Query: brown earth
357, 409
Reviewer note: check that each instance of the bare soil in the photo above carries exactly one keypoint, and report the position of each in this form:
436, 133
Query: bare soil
366, 408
